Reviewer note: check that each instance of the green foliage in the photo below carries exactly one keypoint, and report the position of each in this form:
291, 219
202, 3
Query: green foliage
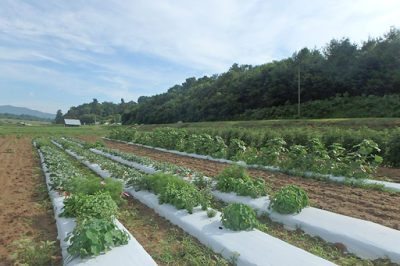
176, 191
253, 187
238, 216
29, 253
393, 157
289, 199
235, 171
202, 182
185, 197
143, 138
86, 207
69, 145
23, 117
341, 79
42, 142
235, 179
311, 155
169, 138
364, 157
158, 182
273, 152
89, 145
211, 213
124, 134
94, 237
92, 185
236, 150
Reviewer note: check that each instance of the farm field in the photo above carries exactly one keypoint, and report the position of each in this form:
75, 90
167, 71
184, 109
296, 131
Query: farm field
19, 163
375, 206
325, 254
24, 215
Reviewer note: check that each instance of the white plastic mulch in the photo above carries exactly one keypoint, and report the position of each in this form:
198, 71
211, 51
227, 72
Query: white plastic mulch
254, 247
363, 238
390, 185
130, 254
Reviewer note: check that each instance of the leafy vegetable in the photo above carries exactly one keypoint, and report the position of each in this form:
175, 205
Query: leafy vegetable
289, 199
238, 216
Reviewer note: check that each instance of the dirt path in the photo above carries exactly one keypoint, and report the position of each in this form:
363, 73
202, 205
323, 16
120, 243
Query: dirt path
18, 214
375, 206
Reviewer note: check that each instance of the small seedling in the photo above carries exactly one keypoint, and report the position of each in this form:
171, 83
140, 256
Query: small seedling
211, 213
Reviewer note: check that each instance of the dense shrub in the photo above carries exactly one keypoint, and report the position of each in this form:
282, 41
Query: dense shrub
289, 199
238, 216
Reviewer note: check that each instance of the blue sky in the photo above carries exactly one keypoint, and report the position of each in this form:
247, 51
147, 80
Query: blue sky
63, 53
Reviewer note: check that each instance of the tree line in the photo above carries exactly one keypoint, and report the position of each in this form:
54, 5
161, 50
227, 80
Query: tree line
90, 113
340, 69
25, 117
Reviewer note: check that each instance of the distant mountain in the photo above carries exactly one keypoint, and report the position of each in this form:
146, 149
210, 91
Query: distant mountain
24, 111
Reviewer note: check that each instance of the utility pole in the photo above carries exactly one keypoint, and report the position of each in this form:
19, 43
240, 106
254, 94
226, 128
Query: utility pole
298, 93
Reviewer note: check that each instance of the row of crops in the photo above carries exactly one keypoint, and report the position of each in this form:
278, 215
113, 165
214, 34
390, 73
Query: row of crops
184, 196
86, 210
235, 209
358, 162
232, 179
387, 140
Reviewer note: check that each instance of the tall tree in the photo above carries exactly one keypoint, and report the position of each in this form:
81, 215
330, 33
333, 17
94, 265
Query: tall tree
95, 107
59, 118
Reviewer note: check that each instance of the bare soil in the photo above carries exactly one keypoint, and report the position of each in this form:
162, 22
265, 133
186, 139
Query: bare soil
18, 214
370, 205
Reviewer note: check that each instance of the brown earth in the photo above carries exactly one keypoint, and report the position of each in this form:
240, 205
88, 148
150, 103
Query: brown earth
371, 205
19, 213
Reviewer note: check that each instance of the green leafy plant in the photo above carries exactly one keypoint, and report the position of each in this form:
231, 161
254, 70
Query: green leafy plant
90, 145
86, 207
93, 184
211, 213
234, 178
175, 191
273, 152
234, 171
236, 150
42, 142
185, 196
29, 253
238, 216
123, 134
289, 199
364, 157
94, 237
202, 182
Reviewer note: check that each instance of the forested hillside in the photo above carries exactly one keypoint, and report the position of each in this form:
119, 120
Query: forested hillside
342, 79
340, 68
89, 113
24, 117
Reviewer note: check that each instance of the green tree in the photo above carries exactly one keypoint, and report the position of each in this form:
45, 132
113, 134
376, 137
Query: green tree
59, 118
95, 107
87, 119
